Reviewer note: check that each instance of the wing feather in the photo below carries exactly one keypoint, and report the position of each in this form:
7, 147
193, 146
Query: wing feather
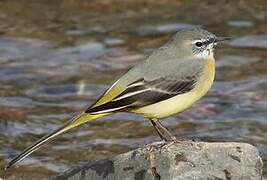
141, 93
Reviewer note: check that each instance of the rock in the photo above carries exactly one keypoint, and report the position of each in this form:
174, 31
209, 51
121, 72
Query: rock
80, 31
114, 42
235, 61
256, 41
240, 23
175, 161
162, 29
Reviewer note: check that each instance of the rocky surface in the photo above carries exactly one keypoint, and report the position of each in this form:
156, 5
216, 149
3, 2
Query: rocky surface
187, 161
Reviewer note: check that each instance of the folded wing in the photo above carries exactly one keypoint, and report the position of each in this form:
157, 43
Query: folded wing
142, 93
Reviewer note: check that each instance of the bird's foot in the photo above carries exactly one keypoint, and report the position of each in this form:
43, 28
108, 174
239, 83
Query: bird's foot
168, 143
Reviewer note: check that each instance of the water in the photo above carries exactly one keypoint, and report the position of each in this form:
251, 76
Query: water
56, 58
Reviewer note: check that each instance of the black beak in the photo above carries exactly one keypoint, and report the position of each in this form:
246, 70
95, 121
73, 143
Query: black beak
220, 39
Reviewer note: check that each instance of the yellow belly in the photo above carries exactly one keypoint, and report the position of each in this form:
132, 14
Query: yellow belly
182, 102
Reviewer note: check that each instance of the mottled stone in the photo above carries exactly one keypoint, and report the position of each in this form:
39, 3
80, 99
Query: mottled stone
175, 161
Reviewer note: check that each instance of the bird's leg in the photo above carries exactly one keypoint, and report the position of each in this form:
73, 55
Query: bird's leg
169, 137
157, 129
162, 131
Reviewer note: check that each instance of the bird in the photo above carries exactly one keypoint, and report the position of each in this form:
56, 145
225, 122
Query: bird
167, 82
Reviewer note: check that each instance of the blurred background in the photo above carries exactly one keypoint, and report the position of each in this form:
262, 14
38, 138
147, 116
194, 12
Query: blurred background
58, 56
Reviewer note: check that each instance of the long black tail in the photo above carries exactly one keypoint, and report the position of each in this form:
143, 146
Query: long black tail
76, 121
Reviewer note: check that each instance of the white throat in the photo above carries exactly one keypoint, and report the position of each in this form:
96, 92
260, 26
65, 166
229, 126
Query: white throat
207, 52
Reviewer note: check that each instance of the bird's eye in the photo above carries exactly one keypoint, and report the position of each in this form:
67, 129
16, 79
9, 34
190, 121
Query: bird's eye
198, 44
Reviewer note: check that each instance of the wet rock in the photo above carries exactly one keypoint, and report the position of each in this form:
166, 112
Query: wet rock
85, 51
29, 52
176, 161
114, 42
235, 61
22, 48
257, 41
86, 31
241, 24
16, 102
65, 90
162, 29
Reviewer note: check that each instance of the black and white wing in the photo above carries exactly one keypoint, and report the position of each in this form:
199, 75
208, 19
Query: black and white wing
142, 93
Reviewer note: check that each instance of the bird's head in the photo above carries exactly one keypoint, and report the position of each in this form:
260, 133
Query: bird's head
196, 43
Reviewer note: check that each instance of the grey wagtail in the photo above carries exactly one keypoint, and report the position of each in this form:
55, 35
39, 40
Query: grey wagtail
169, 81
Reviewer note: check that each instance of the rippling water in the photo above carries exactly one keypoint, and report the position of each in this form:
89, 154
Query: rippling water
56, 58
